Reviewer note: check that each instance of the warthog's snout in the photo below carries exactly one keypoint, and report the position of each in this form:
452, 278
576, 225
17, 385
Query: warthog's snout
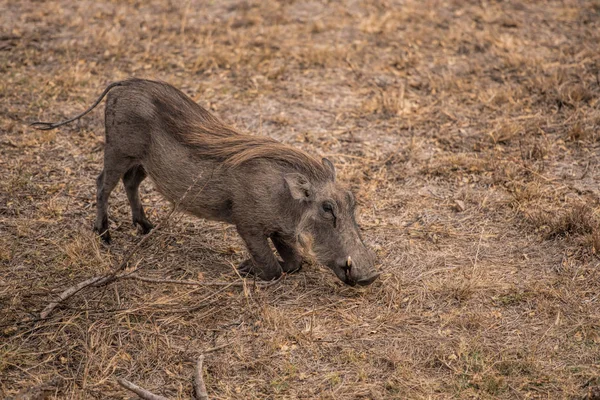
352, 273
368, 280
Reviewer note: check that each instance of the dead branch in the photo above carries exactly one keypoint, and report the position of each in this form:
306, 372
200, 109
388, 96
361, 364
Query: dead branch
99, 280
109, 278
112, 276
72, 291
142, 393
200, 392
190, 283
199, 386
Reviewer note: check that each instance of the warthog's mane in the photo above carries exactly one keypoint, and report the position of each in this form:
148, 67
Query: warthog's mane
195, 126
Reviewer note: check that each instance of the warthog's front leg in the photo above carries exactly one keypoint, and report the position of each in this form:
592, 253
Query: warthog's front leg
262, 262
292, 260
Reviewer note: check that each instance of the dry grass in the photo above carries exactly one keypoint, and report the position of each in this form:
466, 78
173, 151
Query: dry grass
470, 131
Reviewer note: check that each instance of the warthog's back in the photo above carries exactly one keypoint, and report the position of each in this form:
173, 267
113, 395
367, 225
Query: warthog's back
181, 118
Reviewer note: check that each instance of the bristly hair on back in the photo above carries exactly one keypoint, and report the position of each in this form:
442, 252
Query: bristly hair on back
195, 126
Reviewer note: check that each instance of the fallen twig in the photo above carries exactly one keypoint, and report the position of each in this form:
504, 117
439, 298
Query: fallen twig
190, 283
112, 276
72, 291
199, 393
199, 386
141, 392
106, 279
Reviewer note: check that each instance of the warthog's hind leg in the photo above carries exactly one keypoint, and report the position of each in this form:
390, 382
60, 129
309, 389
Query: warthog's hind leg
105, 183
116, 164
132, 180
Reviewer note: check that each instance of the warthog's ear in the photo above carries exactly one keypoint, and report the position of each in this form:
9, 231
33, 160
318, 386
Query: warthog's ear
299, 186
329, 165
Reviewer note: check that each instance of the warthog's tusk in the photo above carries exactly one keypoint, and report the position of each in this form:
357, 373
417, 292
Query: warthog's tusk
349, 262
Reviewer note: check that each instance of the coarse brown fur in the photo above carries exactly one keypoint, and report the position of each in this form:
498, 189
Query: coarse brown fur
211, 138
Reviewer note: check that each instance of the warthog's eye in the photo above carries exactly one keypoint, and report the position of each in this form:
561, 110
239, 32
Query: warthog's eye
329, 211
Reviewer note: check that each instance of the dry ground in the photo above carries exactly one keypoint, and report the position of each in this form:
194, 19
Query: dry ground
469, 129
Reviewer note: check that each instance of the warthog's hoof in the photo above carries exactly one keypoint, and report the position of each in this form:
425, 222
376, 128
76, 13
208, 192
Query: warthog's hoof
247, 268
104, 235
290, 268
144, 225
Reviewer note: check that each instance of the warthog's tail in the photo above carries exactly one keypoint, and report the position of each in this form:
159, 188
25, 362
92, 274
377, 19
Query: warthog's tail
44, 126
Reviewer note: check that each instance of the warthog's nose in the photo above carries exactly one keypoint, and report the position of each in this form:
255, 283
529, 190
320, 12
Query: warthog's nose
368, 280
352, 275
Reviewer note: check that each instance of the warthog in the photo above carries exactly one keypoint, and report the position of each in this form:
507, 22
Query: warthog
267, 189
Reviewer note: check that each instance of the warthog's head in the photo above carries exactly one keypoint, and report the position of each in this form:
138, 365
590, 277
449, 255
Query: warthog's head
328, 230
